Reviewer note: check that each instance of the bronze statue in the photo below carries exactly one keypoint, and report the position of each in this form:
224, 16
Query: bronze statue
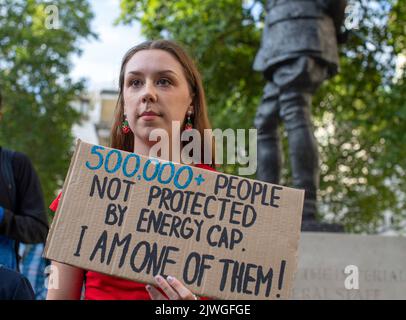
298, 52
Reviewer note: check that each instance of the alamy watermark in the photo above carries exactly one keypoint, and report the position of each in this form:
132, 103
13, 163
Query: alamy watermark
52, 17
193, 145
352, 14
51, 277
351, 282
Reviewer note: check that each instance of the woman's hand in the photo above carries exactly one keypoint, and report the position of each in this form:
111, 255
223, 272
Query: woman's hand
172, 287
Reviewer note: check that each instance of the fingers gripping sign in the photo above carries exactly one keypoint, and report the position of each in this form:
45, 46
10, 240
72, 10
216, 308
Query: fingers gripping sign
172, 287
182, 291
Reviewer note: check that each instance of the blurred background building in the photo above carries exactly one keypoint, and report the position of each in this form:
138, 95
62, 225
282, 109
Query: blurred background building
97, 109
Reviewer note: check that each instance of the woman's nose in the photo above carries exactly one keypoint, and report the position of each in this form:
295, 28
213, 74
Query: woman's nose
149, 94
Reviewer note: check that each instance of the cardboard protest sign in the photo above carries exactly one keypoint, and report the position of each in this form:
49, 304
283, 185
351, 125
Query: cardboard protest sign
134, 217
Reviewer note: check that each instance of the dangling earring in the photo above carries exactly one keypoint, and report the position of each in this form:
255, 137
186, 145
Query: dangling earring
124, 125
189, 125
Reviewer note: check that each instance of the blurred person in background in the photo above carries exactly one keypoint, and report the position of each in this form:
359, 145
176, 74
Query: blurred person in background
22, 213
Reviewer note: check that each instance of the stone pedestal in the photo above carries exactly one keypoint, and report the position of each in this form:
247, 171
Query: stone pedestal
323, 258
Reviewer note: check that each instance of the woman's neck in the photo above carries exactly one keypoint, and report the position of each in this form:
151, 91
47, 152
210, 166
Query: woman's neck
144, 147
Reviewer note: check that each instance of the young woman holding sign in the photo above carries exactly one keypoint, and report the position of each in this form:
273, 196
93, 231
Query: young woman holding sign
159, 84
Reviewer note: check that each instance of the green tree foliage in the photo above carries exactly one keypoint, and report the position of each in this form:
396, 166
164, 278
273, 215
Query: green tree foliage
35, 84
359, 115
222, 37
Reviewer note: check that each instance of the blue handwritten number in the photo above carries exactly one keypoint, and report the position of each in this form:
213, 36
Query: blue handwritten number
189, 179
170, 164
118, 163
95, 152
144, 172
137, 165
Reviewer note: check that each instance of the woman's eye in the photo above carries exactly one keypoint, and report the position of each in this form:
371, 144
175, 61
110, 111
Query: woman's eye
163, 82
135, 83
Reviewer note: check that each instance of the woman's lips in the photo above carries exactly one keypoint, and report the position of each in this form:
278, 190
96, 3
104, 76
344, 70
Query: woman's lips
149, 115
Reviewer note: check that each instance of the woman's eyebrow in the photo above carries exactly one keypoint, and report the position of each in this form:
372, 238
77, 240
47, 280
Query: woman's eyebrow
135, 73
139, 73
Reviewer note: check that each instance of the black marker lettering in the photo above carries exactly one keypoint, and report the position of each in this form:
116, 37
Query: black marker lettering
117, 242
82, 234
100, 245
127, 189
96, 184
113, 192
274, 196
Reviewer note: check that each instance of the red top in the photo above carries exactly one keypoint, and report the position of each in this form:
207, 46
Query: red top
99, 286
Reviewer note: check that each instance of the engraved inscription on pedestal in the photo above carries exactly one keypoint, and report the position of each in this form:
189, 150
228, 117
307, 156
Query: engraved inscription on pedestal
379, 260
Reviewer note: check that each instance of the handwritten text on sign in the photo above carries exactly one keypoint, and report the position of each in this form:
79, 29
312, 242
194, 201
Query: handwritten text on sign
213, 231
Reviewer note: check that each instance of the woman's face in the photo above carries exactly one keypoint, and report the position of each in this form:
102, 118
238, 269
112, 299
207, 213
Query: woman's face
155, 92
